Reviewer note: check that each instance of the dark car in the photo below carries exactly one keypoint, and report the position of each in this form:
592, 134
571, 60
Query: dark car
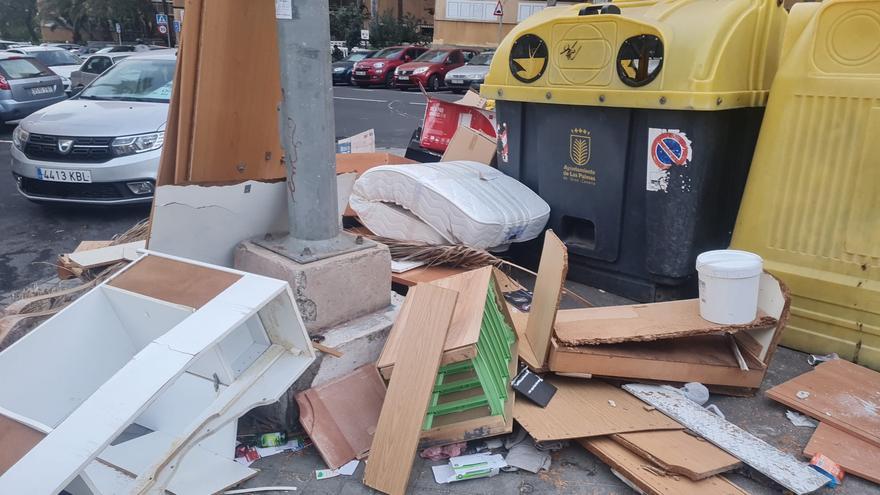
342, 69
379, 69
429, 70
26, 85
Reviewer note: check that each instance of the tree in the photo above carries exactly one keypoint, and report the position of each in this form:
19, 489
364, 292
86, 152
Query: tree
18, 20
387, 30
345, 25
95, 17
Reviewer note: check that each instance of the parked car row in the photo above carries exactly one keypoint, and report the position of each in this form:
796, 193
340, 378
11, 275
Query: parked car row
406, 67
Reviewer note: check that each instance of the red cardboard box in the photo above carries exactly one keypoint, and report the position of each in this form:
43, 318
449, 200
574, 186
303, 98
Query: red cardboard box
443, 118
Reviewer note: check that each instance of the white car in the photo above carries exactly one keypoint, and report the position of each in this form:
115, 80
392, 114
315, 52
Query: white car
103, 145
61, 61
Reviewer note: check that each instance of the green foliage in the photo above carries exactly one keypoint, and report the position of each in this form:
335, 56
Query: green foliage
388, 30
96, 17
345, 25
18, 20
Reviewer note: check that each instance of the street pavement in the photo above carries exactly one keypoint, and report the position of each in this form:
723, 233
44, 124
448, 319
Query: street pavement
32, 235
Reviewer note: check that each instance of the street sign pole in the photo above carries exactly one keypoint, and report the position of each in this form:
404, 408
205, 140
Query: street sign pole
499, 13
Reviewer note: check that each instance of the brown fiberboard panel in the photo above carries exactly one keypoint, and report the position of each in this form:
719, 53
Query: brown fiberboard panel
842, 394
174, 281
524, 349
642, 322
340, 416
856, 456
472, 288
423, 320
651, 480
678, 452
546, 295
587, 408
16, 440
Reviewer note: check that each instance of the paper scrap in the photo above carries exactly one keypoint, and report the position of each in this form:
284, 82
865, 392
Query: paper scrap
346, 470
799, 419
283, 9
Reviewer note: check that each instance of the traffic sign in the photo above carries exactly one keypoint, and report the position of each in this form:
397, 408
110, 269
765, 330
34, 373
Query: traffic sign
499, 9
118, 28
162, 19
365, 34
176, 26
163, 29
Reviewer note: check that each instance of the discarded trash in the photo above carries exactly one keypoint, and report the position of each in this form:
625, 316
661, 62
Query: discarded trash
347, 470
272, 439
714, 409
469, 467
814, 359
247, 454
444, 452
533, 387
525, 456
729, 281
520, 299
242, 491
799, 419
696, 392
829, 468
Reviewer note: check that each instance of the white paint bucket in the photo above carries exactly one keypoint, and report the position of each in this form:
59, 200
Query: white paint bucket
729, 281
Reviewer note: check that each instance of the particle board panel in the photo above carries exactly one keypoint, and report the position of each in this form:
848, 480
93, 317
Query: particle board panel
856, 456
587, 408
174, 281
643, 322
341, 415
679, 452
842, 394
705, 358
423, 322
424, 274
472, 288
546, 295
523, 348
653, 481
773, 463
17, 440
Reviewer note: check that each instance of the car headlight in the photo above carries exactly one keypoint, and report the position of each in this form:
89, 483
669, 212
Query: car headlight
338, 69
378, 65
420, 70
141, 143
20, 137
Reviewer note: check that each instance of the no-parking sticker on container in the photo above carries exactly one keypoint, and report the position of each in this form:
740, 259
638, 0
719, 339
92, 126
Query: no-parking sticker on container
667, 148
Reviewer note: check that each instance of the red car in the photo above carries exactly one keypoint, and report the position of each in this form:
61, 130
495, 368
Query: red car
379, 69
430, 69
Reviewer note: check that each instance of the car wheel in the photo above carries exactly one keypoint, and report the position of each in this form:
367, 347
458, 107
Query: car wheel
389, 79
434, 83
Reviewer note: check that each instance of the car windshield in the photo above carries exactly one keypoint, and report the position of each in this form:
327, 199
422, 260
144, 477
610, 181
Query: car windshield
389, 53
482, 59
134, 80
56, 57
23, 68
433, 56
357, 57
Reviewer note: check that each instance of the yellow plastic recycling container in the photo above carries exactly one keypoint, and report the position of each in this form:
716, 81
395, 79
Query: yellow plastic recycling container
811, 207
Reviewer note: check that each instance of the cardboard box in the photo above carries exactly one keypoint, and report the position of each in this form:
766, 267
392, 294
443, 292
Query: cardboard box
469, 144
358, 163
444, 118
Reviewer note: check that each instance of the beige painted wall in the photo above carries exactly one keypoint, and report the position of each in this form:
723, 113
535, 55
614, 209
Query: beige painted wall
420, 9
463, 33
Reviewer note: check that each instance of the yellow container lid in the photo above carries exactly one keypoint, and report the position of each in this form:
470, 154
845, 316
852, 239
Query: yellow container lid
664, 54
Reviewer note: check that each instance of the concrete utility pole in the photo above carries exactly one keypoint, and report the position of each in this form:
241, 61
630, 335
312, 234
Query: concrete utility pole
308, 136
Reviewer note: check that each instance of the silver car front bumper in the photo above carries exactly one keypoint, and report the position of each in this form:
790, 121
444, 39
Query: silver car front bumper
109, 179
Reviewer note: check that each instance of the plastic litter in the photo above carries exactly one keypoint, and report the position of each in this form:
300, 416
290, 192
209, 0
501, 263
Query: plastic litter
799, 419
814, 359
714, 409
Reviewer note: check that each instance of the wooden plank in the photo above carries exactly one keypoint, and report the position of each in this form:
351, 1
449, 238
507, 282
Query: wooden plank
424, 274
649, 479
547, 293
423, 321
587, 408
174, 281
17, 440
472, 288
679, 452
643, 322
523, 348
842, 394
855, 455
340, 416
93, 258
775, 464
705, 358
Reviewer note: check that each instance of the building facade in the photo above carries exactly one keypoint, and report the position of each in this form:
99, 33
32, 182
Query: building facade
474, 23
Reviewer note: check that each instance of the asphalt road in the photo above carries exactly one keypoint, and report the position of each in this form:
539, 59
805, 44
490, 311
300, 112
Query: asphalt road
32, 236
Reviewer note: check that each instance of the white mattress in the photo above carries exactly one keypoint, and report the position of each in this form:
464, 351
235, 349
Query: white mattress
458, 202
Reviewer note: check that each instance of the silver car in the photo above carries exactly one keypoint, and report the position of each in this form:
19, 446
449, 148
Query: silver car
470, 75
26, 86
93, 67
61, 61
103, 145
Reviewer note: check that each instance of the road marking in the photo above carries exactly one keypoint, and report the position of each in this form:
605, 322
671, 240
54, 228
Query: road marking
359, 99
418, 103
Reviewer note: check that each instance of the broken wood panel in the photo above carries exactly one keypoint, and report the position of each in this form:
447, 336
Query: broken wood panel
773, 463
679, 452
424, 274
174, 281
340, 416
523, 347
643, 322
17, 440
855, 455
546, 295
706, 359
423, 321
472, 288
842, 394
93, 258
587, 408
652, 480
